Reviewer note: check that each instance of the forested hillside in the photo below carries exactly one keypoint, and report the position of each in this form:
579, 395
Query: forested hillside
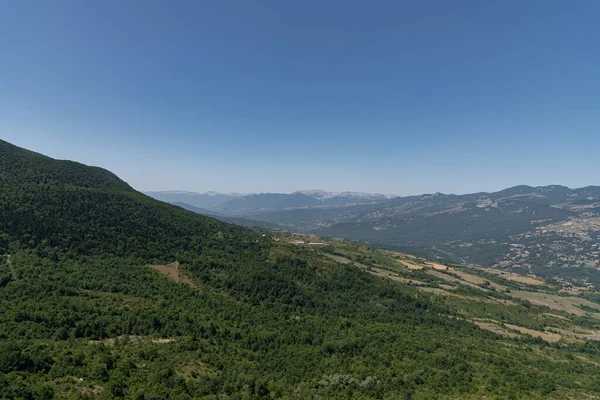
107, 293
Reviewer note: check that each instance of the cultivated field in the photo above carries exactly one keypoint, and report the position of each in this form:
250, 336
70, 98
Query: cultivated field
547, 336
563, 303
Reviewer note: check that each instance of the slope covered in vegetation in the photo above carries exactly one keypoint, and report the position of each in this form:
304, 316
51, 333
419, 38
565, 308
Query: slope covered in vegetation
84, 316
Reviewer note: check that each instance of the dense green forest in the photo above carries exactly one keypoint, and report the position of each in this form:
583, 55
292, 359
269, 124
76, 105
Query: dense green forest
82, 315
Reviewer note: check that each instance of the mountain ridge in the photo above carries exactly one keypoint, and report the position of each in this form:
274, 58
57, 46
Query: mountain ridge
325, 193
483, 228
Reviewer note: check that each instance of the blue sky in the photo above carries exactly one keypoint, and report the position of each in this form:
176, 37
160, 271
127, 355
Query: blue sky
254, 96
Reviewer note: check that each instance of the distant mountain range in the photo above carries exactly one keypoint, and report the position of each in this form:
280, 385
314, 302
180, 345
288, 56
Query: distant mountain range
201, 200
242, 204
542, 230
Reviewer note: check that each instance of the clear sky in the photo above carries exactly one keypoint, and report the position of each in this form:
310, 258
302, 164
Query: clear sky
400, 97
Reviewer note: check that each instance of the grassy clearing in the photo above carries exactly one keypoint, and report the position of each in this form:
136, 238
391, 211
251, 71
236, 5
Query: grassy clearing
556, 316
345, 260
390, 275
445, 293
173, 272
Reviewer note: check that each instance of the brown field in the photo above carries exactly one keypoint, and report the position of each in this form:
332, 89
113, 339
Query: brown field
547, 336
382, 273
587, 335
439, 266
492, 327
568, 304
398, 254
513, 277
470, 278
410, 265
173, 272
575, 291
523, 279
477, 279
453, 279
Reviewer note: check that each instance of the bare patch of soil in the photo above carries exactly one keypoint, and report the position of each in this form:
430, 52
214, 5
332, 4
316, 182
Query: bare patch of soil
453, 279
439, 266
163, 341
564, 303
410, 265
112, 341
477, 279
131, 339
547, 336
495, 328
173, 272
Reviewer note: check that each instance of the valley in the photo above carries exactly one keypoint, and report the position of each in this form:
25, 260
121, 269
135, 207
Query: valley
551, 313
552, 231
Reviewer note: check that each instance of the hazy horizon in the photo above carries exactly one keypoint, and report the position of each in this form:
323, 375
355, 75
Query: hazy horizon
273, 97
349, 191
200, 189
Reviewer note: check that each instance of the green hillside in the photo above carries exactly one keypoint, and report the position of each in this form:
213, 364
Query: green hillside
66, 208
85, 311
